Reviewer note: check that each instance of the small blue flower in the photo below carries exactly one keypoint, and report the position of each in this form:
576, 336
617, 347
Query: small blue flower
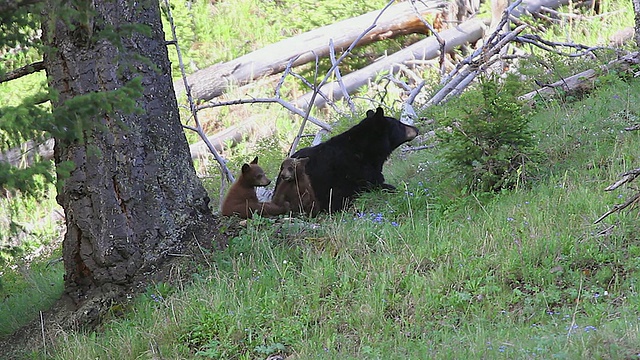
393, 223
510, 219
589, 328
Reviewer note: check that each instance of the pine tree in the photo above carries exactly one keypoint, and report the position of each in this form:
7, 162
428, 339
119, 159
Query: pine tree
125, 179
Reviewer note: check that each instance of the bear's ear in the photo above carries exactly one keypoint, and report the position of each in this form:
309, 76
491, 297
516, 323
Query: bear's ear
255, 161
380, 112
246, 168
369, 113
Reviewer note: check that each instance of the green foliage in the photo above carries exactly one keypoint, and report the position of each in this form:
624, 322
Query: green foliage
427, 272
488, 140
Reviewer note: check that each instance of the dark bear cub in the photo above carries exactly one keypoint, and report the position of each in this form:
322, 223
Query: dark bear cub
293, 186
351, 162
241, 200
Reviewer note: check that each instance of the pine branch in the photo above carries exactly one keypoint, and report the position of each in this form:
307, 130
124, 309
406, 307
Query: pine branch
13, 5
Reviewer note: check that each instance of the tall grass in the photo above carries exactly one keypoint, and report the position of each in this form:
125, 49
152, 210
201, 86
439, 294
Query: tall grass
525, 274
426, 272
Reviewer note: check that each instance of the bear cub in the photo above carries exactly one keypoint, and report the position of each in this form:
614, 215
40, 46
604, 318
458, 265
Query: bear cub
241, 200
294, 187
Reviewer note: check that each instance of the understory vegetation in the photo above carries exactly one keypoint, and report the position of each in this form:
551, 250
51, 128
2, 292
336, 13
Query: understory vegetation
488, 248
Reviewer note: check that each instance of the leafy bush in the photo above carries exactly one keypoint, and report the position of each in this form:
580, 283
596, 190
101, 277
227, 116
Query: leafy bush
487, 138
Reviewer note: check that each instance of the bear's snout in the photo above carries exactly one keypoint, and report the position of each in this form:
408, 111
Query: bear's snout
410, 132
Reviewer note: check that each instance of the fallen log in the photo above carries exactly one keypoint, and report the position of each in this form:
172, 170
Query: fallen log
584, 81
429, 48
397, 20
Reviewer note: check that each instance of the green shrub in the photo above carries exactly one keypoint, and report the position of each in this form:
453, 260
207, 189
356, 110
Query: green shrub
487, 138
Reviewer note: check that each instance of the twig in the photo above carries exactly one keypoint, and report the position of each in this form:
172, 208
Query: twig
296, 140
345, 93
418, 148
287, 105
435, 34
44, 339
550, 46
198, 128
619, 207
627, 177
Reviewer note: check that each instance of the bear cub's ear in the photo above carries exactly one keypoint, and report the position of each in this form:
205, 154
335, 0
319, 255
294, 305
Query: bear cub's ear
379, 113
246, 168
255, 161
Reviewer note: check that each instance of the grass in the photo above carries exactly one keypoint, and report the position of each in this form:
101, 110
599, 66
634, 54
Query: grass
419, 273
427, 272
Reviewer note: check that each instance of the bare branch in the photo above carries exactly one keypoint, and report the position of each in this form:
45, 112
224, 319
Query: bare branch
619, 207
345, 93
551, 46
198, 129
23, 71
280, 101
435, 34
627, 177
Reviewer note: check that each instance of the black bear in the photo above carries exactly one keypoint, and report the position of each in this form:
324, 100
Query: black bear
351, 162
294, 187
241, 199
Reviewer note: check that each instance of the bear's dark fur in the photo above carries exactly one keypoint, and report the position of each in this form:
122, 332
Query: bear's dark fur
241, 199
294, 187
351, 162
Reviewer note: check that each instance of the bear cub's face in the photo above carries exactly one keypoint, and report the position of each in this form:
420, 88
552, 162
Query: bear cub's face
253, 174
292, 168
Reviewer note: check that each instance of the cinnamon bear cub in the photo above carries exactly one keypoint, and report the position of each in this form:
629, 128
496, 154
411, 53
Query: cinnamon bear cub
293, 186
241, 200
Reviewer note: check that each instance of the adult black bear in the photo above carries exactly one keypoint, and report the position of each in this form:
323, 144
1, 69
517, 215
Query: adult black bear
351, 162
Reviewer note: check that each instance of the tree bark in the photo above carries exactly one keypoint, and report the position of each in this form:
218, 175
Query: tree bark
133, 199
636, 8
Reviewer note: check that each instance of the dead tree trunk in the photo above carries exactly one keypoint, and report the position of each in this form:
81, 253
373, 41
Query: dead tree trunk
428, 48
132, 200
213, 81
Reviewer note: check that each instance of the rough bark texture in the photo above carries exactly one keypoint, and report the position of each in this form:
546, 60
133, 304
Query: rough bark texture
133, 200
636, 8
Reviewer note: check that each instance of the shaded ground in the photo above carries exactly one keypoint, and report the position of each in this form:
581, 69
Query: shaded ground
64, 316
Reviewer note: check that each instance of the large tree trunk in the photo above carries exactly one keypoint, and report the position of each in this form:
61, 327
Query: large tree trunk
636, 8
133, 199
